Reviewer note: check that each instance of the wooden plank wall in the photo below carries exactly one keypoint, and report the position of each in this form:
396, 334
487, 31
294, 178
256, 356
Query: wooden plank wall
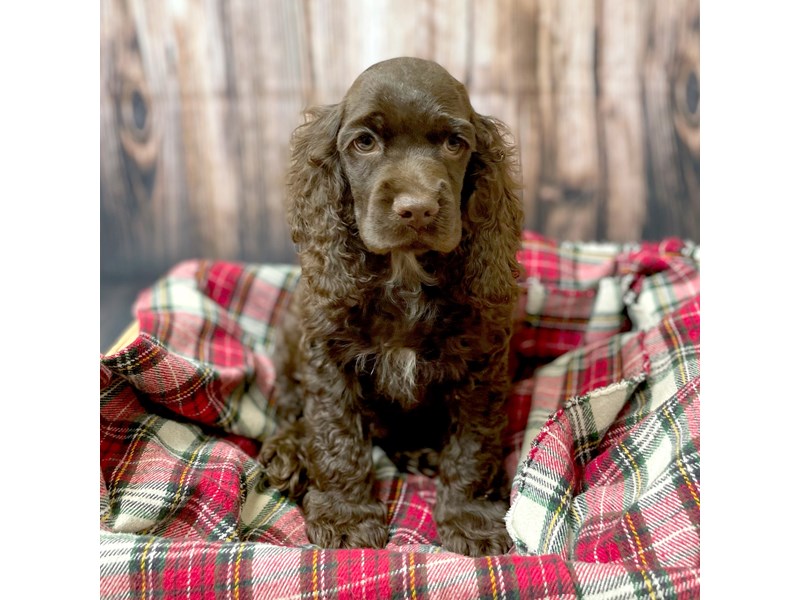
199, 97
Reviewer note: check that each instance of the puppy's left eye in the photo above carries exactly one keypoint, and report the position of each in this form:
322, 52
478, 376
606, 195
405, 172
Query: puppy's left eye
365, 143
454, 144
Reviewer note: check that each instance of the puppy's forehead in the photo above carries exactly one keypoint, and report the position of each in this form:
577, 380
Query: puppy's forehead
407, 87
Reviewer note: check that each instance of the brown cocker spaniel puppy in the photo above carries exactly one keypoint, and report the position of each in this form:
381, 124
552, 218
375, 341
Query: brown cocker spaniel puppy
403, 206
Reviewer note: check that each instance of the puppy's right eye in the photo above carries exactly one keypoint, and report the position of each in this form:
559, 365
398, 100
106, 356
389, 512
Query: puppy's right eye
365, 143
454, 144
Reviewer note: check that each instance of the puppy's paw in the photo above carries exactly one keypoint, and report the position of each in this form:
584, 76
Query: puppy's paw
475, 529
369, 533
472, 542
332, 523
284, 460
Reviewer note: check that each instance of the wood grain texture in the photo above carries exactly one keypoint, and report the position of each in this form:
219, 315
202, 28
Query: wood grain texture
673, 167
198, 100
620, 26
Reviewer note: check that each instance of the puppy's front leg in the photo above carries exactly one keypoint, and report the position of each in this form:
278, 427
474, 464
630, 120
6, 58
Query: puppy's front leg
339, 507
470, 502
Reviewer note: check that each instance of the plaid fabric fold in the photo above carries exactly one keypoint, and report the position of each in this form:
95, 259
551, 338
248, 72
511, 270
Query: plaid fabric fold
602, 444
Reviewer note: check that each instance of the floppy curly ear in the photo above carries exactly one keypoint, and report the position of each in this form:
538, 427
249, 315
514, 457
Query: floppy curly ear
320, 216
492, 215
314, 176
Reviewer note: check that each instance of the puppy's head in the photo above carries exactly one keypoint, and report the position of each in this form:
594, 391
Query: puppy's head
405, 142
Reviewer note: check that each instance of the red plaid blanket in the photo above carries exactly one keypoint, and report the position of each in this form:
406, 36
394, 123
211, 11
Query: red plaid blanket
603, 444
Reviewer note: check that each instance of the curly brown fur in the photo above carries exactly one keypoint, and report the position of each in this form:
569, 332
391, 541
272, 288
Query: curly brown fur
403, 205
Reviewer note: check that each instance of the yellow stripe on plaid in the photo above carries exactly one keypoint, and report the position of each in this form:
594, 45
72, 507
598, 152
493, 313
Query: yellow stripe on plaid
143, 568
640, 552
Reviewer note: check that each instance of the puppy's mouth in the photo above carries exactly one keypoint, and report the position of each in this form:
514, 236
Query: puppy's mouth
416, 247
422, 240
409, 240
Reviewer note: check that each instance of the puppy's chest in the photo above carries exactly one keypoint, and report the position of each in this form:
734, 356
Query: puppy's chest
400, 357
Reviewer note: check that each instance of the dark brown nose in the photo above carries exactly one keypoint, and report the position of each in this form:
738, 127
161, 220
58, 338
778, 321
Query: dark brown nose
414, 211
